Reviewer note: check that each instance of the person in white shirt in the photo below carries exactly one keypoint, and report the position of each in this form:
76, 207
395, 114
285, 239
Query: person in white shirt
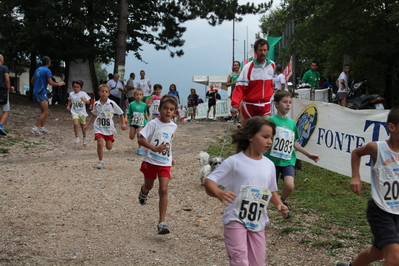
117, 89
343, 85
280, 79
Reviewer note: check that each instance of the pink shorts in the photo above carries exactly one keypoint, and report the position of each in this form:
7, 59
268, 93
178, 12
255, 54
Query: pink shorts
105, 137
244, 247
152, 171
249, 110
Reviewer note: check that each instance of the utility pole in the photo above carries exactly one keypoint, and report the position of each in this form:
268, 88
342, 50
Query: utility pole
233, 41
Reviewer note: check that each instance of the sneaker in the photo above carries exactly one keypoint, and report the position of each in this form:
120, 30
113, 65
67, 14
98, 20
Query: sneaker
36, 131
143, 197
100, 165
284, 202
340, 263
84, 141
44, 130
77, 140
3, 132
140, 151
163, 228
288, 216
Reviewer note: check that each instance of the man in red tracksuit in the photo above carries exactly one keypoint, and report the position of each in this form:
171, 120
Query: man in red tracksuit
254, 87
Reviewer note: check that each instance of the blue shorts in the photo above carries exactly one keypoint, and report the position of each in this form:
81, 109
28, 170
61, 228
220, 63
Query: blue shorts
37, 98
282, 171
383, 225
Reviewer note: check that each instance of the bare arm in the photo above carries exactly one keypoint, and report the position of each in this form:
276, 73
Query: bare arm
54, 84
69, 105
276, 201
144, 142
7, 81
282, 87
213, 190
369, 149
302, 150
228, 83
123, 121
92, 118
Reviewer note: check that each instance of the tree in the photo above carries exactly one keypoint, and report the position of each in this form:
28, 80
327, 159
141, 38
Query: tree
367, 34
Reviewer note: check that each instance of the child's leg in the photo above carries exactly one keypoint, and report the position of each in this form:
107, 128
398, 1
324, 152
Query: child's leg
76, 126
100, 148
256, 248
235, 239
288, 175
391, 254
163, 197
109, 144
132, 132
148, 185
82, 126
367, 256
138, 135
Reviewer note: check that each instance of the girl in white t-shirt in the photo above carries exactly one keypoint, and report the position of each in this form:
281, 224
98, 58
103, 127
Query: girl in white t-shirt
157, 137
77, 101
249, 182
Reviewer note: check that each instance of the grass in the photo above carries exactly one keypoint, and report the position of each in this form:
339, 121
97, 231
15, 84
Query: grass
338, 214
6, 143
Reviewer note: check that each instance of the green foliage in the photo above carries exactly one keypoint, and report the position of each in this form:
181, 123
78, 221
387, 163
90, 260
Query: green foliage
367, 34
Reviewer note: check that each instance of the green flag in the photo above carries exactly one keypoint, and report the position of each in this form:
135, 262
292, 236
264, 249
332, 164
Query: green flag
272, 42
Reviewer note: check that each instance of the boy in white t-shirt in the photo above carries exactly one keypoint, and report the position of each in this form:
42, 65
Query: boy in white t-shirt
157, 137
104, 129
77, 101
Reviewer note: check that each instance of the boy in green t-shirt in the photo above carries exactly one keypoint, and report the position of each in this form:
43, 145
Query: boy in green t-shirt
282, 152
136, 112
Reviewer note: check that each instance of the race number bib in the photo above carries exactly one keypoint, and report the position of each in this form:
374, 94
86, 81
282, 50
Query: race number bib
155, 106
252, 205
388, 176
77, 105
138, 119
104, 120
283, 143
161, 137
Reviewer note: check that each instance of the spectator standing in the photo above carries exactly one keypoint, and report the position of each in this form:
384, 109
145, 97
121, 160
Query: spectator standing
280, 79
40, 81
117, 89
233, 76
312, 76
5, 85
211, 96
130, 88
254, 87
194, 97
174, 92
343, 85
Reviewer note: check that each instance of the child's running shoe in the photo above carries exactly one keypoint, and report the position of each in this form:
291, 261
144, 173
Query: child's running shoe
36, 131
3, 132
140, 151
340, 263
84, 141
143, 197
44, 130
77, 140
163, 228
100, 165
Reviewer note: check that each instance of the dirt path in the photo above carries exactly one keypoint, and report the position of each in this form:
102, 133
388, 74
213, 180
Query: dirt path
57, 209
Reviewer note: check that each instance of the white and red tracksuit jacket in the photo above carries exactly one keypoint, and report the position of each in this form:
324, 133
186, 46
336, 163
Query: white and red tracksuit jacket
255, 84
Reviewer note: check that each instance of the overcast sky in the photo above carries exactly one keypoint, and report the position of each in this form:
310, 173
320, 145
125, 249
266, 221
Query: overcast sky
207, 51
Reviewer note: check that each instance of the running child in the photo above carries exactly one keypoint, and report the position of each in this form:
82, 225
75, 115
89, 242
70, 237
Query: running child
383, 207
156, 98
157, 137
282, 153
136, 114
250, 183
77, 101
104, 129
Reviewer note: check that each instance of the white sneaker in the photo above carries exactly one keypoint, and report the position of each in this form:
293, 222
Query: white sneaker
84, 141
77, 140
36, 131
100, 165
44, 130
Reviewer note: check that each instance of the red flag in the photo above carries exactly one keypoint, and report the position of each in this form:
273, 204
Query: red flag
288, 70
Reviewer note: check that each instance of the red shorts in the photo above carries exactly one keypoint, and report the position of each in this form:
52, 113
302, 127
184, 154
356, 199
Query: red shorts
249, 110
151, 171
105, 137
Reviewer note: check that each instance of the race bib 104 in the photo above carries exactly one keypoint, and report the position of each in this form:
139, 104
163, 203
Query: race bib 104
252, 205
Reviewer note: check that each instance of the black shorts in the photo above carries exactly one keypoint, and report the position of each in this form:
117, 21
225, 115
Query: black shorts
210, 104
383, 225
282, 171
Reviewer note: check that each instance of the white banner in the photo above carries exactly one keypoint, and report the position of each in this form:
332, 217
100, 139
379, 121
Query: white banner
333, 132
222, 109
